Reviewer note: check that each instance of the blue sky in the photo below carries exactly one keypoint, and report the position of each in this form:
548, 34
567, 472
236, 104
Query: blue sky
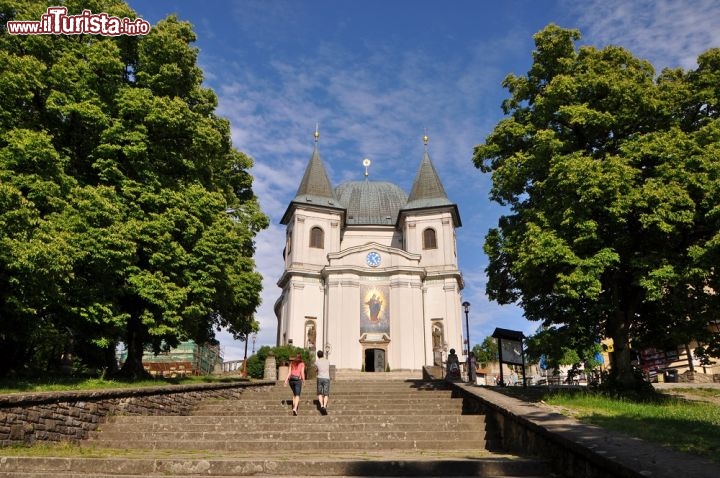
375, 74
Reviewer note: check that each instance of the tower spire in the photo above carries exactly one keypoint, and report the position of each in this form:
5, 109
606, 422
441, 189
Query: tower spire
427, 190
315, 187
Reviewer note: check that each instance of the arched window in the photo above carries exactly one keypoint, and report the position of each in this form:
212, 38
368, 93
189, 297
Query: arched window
317, 238
429, 239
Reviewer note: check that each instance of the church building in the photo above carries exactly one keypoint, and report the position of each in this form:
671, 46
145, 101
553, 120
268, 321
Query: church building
371, 274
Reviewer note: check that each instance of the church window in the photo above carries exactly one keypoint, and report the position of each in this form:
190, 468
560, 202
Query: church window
317, 238
310, 334
429, 239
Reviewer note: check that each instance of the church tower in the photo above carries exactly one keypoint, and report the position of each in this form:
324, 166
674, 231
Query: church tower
312, 223
371, 274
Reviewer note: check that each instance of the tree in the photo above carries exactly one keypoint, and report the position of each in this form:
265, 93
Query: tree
486, 352
117, 182
558, 346
611, 179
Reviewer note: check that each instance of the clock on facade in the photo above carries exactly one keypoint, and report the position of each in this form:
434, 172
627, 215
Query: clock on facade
373, 259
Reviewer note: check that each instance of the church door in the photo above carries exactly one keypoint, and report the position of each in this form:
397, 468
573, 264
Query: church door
374, 360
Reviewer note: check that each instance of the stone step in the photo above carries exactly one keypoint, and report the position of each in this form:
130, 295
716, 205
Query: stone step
302, 420
472, 423
374, 428
459, 463
396, 398
392, 376
311, 389
394, 384
450, 407
312, 397
366, 407
332, 410
359, 436
275, 445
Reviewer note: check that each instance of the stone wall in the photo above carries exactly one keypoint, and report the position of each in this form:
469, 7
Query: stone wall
69, 416
510, 430
695, 377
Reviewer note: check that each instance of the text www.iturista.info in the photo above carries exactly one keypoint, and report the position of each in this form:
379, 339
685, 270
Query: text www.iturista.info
57, 22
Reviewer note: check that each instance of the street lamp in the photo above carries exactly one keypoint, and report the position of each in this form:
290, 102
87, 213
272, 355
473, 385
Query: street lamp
254, 337
466, 307
244, 370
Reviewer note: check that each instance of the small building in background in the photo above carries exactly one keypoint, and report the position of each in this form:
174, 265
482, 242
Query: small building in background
188, 358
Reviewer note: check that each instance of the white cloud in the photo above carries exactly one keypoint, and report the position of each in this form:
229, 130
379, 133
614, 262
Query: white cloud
668, 33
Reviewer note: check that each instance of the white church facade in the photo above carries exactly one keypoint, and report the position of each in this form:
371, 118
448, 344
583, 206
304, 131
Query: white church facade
371, 273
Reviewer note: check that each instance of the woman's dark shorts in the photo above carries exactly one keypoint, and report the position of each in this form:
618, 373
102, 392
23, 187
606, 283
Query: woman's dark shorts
296, 386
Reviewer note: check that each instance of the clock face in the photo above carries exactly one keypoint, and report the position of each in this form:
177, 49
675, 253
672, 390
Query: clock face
373, 259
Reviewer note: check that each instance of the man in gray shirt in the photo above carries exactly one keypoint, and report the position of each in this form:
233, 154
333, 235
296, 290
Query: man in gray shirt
323, 381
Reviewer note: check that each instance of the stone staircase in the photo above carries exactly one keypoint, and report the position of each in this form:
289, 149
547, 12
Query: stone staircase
374, 427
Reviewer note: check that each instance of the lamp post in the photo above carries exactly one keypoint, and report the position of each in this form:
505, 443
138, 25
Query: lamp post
254, 337
466, 308
244, 370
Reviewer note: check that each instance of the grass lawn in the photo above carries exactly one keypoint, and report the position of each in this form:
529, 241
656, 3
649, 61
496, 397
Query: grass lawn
59, 384
688, 423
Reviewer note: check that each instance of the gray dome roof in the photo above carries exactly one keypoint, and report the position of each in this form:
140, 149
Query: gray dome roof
371, 202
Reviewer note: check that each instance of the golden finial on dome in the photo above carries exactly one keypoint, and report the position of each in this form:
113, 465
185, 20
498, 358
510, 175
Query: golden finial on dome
366, 162
425, 138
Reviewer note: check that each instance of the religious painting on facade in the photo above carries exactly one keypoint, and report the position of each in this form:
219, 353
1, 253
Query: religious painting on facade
374, 309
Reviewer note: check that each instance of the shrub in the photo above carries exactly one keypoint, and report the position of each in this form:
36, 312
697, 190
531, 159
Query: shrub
256, 363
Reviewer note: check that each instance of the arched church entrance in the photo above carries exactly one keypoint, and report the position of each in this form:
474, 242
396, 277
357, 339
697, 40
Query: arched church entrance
374, 360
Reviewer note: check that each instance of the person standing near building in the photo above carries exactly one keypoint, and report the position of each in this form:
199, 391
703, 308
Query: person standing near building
453, 366
472, 368
323, 381
296, 379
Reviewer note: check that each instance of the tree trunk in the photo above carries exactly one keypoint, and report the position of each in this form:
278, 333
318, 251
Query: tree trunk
133, 367
110, 359
618, 329
622, 371
688, 353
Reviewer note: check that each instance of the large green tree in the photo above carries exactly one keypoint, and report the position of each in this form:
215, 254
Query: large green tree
486, 352
125, 212
612, 179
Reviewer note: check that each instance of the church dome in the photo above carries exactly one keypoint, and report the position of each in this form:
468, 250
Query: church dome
371, 202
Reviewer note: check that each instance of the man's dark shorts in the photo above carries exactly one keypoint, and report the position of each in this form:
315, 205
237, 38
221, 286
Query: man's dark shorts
323, 386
